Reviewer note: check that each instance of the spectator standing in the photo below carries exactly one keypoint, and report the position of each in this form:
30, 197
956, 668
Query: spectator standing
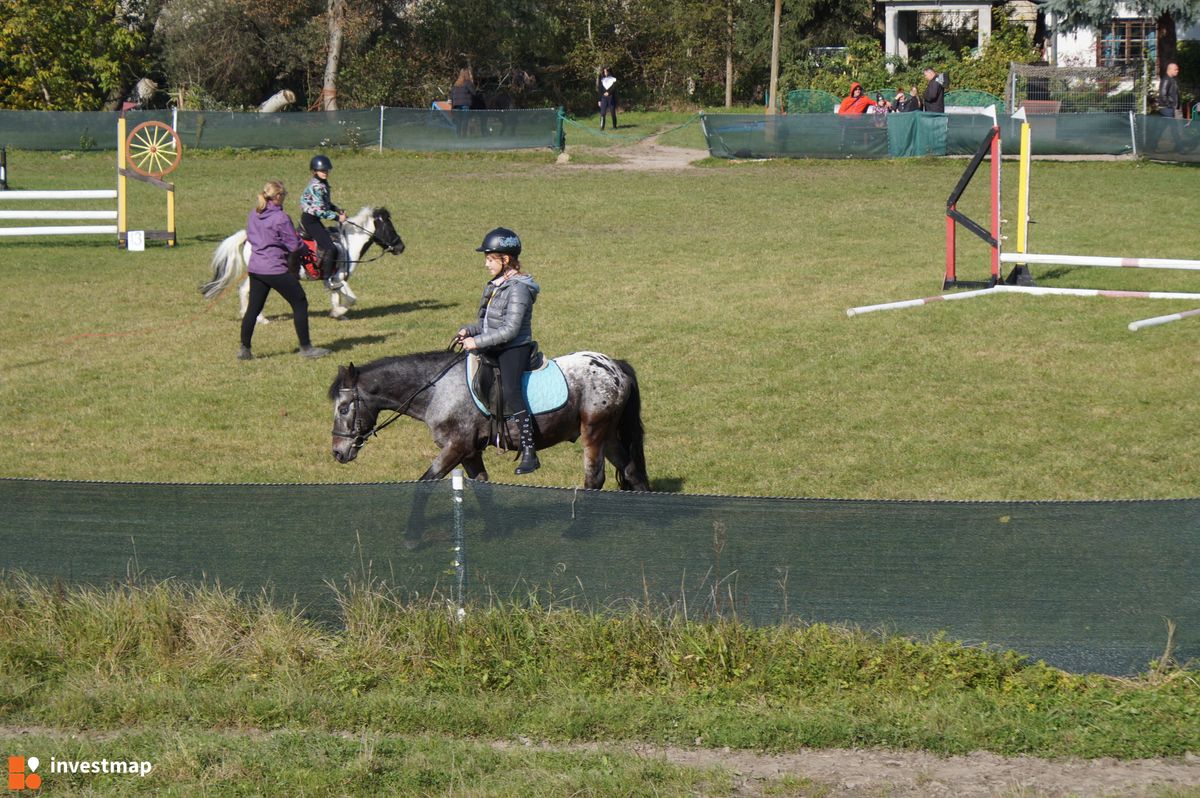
1168, 92
608, 97
934, 98
906, 102
857, 103
462, 98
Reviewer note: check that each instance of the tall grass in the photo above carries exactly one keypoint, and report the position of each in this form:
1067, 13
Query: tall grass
198, 657
725, 286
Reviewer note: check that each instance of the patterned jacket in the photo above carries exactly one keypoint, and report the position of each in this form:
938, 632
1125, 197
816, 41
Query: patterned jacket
506, 313
317, 200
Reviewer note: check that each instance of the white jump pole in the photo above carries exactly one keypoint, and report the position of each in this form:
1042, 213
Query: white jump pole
101, 193
58, 230
1095, 260
1134, 326
912, 303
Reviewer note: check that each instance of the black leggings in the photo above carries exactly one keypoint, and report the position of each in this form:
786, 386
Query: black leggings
608, 105
315, 229
288, 286
513, 363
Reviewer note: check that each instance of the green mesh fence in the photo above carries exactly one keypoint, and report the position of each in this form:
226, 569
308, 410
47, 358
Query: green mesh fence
374, 128
810, 101
973, 98
916, 134
1087, 586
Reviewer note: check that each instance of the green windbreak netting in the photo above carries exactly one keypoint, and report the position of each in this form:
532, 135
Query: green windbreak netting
58, 130
1166, 139
810, 101
1086, 586
973, 98
914, 134
373, 128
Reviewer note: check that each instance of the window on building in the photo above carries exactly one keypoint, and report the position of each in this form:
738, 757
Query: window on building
1126, 43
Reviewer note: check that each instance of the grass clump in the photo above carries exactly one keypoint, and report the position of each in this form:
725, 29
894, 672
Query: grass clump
200, 657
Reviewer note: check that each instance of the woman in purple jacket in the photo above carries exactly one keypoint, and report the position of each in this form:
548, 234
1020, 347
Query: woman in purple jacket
273, 238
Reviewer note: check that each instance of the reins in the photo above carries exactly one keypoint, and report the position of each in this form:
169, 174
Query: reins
361, 438
371, 239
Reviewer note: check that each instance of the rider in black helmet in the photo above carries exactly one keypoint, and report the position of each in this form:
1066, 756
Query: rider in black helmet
317, 205
505, 330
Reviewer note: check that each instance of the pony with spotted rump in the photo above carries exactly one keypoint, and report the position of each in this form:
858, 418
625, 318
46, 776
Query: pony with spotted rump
370, 226
602, 407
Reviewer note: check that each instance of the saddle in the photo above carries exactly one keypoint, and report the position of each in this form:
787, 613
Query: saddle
308, 260
544, 385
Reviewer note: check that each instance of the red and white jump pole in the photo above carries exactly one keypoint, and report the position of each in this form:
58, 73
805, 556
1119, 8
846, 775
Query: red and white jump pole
1134, 326
1095, 260
1041, 291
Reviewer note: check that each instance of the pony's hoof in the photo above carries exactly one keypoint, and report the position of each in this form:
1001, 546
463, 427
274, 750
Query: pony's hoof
262, 319
339, 314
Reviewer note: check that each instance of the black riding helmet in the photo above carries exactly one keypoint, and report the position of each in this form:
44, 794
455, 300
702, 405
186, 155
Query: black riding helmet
320, 163
501, 240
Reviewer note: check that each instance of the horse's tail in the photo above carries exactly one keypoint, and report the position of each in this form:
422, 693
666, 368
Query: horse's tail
632, 436
227, 264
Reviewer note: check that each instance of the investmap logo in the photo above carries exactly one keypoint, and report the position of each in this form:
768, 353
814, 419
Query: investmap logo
23, 771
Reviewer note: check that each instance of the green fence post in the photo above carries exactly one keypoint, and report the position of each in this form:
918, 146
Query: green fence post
560, 135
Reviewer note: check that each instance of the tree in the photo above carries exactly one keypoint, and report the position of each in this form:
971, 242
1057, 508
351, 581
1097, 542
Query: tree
1075, 14
333, 52
235, 53
71, 55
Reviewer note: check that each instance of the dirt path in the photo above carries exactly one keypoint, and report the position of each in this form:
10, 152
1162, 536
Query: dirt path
645, 155
900, 774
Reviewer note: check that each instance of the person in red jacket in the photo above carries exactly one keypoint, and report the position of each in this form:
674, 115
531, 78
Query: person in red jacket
857, 103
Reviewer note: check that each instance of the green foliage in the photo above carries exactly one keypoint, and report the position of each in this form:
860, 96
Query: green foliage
73, 55
989, 71
865, 62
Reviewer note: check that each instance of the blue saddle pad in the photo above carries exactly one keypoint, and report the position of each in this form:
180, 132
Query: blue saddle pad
545, 389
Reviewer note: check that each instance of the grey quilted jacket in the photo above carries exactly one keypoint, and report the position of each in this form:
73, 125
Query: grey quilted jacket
506, 314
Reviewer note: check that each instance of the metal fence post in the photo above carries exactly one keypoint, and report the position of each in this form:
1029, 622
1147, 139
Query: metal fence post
381, 129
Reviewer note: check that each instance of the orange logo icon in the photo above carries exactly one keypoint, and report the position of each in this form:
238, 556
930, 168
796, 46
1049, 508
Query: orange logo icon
18, 778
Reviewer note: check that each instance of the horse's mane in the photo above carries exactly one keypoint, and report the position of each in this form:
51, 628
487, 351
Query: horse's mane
394, 366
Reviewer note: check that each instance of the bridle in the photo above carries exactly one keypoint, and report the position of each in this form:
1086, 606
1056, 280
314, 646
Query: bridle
358, 432
384, 246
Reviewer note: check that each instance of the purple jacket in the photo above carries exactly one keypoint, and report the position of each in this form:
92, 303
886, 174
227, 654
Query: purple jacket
272, 236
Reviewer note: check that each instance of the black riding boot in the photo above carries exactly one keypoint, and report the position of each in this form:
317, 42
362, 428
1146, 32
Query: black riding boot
529, 459
333, 280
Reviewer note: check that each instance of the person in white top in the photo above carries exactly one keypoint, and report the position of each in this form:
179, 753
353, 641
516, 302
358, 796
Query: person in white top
608, 97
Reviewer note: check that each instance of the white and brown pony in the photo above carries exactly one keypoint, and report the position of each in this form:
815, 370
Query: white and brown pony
370, 226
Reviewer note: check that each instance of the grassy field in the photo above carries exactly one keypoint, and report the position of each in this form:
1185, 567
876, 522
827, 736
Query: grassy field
229, 697
725, 285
